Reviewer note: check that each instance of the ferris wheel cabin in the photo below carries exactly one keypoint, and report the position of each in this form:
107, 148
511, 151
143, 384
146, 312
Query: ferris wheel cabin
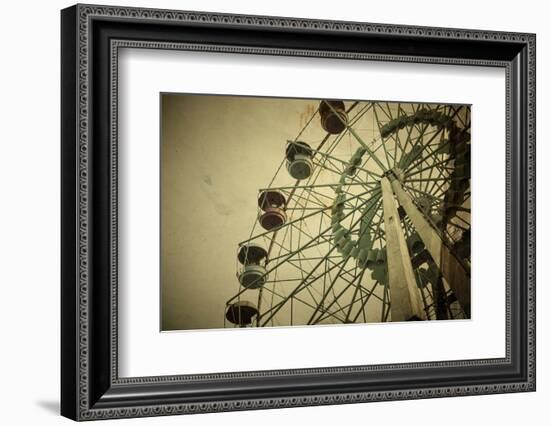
334, 118
253, 274
298, 160
241, 313
273, 204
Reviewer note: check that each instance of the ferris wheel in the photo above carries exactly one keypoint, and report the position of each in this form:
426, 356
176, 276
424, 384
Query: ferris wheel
366, 219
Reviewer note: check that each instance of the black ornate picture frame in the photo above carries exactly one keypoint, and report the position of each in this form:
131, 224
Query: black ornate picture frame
91, 387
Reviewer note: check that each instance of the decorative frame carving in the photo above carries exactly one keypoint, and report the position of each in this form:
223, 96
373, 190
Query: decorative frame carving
91, 388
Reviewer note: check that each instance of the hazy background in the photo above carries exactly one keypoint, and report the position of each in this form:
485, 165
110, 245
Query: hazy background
217, 151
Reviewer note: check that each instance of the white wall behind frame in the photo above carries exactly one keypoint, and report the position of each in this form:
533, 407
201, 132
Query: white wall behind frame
29, 225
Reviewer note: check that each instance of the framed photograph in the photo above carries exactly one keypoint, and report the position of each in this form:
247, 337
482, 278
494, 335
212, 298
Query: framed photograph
263, 212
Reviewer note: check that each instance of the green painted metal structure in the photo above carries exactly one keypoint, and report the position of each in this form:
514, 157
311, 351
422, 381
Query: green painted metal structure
375, 223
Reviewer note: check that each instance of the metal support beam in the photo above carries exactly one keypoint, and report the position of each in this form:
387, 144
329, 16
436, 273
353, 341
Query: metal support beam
452, 270
358, 138
406, 301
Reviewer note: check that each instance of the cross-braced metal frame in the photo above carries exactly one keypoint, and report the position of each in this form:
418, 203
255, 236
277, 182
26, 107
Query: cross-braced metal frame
331, 260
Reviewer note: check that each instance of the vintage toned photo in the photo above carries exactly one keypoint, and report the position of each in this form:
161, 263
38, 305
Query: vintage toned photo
293, 212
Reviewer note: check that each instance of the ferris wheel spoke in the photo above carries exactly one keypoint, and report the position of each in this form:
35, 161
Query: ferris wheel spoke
285, 259
441, 129
377, 228
425, 186
352, 107
436, 185
388, 310
423, 193
397, 143
369, 294
310, 196
386, 154
341, 274
359, 289
349, 306
329, 290
333, 162
355, 293
315, 186
410, 140
310, 274
385, 305
440, 188
334, 169
407, 140
442, 179
345, 273
386, 113
301, 202
327, 272
301, 286
288, 250
361, 310
414, 161
307, 190
297, 264
318, 194
305, 281
310, 258
328, 167
280, 281
285, 299
389, 158
302, 232
335, 142
435, 134
326, 239
358, 138
354, 209
273, 242
360, 114
397, 139
263, 234
442, 162
432, 154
